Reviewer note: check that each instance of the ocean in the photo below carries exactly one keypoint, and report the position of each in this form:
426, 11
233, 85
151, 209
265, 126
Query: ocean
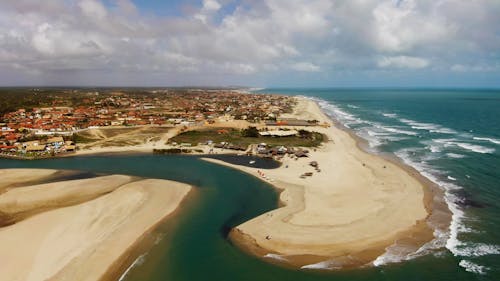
450, 136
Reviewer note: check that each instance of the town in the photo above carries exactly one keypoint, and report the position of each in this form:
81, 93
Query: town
53, 117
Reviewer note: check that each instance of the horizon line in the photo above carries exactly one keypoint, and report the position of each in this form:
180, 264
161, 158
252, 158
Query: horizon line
260, 88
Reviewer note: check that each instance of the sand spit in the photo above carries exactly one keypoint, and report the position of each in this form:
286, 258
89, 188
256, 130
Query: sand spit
345, 215
19, 203
86, 240
17, 177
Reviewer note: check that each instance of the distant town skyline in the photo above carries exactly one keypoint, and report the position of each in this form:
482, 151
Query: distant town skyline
263, 43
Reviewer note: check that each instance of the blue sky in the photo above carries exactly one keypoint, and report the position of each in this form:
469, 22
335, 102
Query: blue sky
161, 8
261, 43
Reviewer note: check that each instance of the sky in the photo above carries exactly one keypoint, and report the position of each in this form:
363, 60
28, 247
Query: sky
255, 43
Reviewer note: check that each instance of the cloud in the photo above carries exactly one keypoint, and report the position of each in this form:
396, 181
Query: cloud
403, 62
93, 9
211, 5
475, 67
305, 67
250, 41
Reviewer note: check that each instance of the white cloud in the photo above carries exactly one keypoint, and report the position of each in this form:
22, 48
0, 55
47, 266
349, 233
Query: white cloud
93, 9
475, 67
211, 5
404, 25
305, 67
257, 38
403, 62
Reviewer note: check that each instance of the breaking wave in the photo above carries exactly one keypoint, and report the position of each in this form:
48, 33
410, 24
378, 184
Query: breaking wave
430, 127
455, 155
390, 115
492, 140
138, 261
275, 257
417, 157
474, 147
472, 267
463, 145
329, 264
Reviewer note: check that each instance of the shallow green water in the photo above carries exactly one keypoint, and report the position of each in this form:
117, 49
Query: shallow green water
198, 250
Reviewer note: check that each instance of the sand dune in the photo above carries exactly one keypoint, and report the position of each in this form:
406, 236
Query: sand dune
83, 241
348, 213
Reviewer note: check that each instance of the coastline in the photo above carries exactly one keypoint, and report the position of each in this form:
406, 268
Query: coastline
420, 232
126, 261
411, 236
90, 237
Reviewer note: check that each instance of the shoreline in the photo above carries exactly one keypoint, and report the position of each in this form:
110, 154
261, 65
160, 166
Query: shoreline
431, 201
120, 268
431, 192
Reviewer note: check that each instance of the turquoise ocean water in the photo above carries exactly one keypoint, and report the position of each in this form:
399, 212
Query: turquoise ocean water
453, 138
450, 136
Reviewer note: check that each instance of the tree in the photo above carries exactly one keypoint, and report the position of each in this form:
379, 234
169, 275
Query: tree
250, 132
305, 134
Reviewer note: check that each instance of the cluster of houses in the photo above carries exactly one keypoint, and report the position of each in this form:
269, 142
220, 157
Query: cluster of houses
49, 146
264, 149
155, 107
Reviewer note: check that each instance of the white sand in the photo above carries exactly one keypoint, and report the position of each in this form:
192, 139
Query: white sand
345, 209
57, 194
83, 241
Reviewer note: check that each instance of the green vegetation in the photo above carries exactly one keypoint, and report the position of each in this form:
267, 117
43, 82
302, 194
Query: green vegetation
250, 132
15, 98
79, 138
240, 138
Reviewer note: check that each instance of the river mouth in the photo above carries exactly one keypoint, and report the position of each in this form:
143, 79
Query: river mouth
195, 246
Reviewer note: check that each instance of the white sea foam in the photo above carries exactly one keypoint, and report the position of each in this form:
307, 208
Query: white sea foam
390, 115
476, 249
455, 155
159, 238
474, 147
352, 106
443, 131
492, 140
396, 253
321, 265
457, 225
450, 238
443, 238
434, 149
399, 131
430, 127
275, 257
393, 254
374, 138
139, 261
466, 146
336, 112
472, 267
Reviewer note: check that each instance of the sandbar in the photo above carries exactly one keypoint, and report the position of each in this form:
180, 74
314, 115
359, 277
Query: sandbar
86, 240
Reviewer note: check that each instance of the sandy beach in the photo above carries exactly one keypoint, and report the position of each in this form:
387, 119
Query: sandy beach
345, 215
80, 229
